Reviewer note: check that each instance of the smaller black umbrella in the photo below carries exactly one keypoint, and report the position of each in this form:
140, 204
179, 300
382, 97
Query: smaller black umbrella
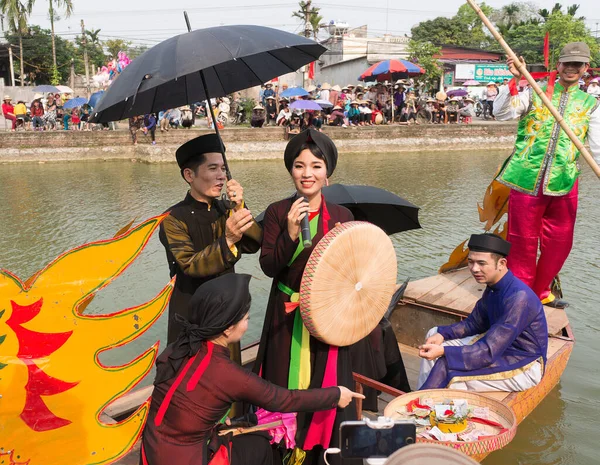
389, 211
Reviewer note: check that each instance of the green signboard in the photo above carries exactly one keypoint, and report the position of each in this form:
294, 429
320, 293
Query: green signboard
492, 73
448, 78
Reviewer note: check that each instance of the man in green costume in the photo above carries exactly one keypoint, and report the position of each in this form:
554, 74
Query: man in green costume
543, 169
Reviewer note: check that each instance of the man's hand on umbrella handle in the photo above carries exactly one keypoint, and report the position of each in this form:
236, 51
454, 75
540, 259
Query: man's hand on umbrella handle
346, 396
512, 67
235, 192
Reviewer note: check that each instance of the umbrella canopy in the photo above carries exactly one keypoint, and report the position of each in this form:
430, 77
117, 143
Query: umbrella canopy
294, 92
389, 70
94, 98
324, 103
382, 208
471, 82
75, 102
64, 90
457, 93
305, 105
230, 58
46, 88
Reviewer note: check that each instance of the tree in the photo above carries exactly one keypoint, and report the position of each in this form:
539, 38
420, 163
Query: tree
423, 53
17, 13
37, 56
114, 46
96, 55
68, 5
564, 28
136, 51
465, 29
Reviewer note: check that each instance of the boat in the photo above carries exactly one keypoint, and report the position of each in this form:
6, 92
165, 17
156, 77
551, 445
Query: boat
437, 300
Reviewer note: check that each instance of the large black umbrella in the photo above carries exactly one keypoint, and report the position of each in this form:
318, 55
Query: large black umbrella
390, 212
204, 64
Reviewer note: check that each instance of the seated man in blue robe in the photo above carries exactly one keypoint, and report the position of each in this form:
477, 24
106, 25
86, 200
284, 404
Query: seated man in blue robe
502, 344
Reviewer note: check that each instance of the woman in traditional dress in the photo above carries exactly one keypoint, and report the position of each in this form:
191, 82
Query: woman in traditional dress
196, 383
310, 157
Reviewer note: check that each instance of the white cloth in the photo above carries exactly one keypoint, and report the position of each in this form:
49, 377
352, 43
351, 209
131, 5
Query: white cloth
504, 111
283, 115
324, 94
520, 382
594, 90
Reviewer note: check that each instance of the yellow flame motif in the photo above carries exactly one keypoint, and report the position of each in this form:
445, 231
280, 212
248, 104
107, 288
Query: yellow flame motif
53, 386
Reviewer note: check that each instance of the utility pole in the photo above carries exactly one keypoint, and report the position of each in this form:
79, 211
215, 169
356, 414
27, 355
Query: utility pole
12, 67
85, 60
72, 80
307, 12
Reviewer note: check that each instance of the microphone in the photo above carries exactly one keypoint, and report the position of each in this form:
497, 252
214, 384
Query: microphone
305, 230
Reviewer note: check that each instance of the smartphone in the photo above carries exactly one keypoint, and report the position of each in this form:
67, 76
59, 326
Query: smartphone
359, 440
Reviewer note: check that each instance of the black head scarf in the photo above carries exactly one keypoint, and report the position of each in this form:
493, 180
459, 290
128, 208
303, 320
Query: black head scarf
311, 136
214, 307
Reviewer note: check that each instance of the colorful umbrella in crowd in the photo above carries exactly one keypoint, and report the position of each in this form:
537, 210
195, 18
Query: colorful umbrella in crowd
471, 82
324, 103
294, 92
457, 93
94, 98
390, 70
75, 102
46, 88
305, 105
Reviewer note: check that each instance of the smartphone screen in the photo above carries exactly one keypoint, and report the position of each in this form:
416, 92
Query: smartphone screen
361, 441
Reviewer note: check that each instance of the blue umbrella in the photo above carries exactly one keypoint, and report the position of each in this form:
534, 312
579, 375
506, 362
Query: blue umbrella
74, 103
95, 97
388, 70
46, 88
305, 105
294, 92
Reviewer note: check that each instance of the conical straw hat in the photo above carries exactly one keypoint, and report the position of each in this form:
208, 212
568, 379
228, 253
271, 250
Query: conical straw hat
348, 283
326, 86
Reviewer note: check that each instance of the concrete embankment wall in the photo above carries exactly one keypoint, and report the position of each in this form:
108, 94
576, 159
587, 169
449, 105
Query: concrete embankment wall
248, 144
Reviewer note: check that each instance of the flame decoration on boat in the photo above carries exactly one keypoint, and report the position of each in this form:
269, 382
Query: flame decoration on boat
53, 386
495, 205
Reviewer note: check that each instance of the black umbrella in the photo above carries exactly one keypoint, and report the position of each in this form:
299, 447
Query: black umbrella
204, 64
390, 212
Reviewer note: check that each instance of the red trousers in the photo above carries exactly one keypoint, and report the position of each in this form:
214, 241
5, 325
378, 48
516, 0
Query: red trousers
542, 221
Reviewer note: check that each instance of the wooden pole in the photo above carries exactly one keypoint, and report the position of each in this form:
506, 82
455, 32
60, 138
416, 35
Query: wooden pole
85, 60
534, 85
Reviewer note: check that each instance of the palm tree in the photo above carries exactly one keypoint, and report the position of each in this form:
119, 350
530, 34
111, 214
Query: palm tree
68, 4
17, 13
312, 14
544, 13
93, 38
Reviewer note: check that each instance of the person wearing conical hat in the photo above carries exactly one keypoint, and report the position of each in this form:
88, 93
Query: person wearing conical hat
271, 111
202, 238
354, 114
8, 110
543, 170
258, 117
502, 345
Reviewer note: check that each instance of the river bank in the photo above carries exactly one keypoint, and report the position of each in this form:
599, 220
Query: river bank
248, 144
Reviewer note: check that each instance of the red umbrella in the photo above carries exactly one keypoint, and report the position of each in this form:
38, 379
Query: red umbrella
389, 70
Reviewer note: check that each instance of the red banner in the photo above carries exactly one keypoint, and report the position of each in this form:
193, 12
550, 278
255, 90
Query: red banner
311, 70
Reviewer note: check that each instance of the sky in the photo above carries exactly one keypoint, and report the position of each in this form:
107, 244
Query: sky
148, 22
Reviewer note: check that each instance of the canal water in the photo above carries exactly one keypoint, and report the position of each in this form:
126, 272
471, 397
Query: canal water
46, 209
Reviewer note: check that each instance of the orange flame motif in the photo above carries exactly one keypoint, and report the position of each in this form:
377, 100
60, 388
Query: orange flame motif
53, 386
495, 205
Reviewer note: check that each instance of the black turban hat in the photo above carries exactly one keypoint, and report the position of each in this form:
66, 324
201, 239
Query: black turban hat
491, 243
215, 306
208, 143
311, 136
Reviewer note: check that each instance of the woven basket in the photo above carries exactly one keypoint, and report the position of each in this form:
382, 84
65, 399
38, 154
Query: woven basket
348, 283
499, 413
